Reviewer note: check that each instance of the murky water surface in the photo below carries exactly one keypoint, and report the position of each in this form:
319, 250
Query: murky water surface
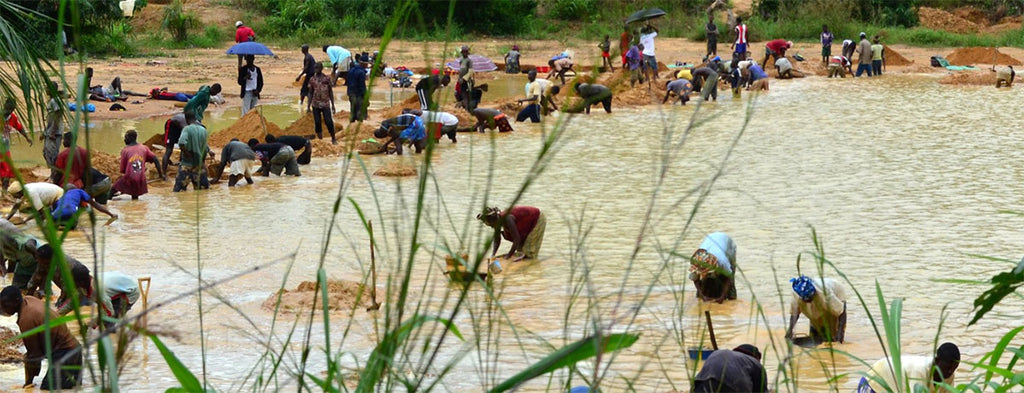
902, 178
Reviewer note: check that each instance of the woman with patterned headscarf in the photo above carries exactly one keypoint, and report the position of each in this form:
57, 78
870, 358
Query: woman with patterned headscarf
522, 225
823, 302
712, 268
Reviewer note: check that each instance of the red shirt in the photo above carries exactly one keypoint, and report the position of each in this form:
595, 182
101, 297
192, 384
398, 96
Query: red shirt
12, 121
624, 42
77, 166
777, 46
243, 33
526, 218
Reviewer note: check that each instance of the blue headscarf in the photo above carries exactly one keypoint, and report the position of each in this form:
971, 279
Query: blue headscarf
804, 287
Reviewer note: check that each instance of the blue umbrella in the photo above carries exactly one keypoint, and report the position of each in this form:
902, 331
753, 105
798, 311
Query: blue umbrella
250, 48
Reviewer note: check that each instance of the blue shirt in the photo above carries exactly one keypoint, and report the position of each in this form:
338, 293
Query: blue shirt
337, 54
68, 204
356, 80
415, 131
722, 247
757, 73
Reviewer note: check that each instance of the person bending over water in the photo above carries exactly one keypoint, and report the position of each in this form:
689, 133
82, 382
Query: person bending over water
491, 118
712, 268
918, 372
522, 225
824, 305
592, 93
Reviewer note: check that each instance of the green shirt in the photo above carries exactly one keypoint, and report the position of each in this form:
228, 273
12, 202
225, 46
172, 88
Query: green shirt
199, 102
193, 145
15, 248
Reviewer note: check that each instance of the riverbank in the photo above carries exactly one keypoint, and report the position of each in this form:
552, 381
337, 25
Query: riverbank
190, 68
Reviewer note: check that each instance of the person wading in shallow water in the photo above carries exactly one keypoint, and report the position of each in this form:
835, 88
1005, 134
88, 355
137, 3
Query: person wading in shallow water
55, 344
824, 305
521, 225
712, 268
918, 372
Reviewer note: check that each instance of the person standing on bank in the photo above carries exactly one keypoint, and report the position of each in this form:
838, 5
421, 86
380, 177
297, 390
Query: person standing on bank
355, 83
307, 70
243, 33
250, 78
711, 32
865, 56
321, 102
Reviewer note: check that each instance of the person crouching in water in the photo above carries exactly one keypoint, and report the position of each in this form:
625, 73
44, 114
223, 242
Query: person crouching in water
712, 268
1004, 76
824, 305
681, 88
401, 129
522, 225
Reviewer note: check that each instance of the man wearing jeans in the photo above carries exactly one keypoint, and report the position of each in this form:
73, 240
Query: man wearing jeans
864, 50
650, 62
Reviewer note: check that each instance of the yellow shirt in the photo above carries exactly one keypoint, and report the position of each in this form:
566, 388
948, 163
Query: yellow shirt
534, 90
685, 74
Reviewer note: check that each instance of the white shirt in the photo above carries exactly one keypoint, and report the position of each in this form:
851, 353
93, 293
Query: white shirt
783, 64
42, 194
917, 370
250, 84
826, 305
444, 118
647, 40
544, 86
117, 283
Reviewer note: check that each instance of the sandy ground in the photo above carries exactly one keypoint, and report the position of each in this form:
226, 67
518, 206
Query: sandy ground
190, 69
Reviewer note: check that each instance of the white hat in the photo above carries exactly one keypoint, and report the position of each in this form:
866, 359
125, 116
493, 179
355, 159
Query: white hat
863, 34
14, 188
239, 23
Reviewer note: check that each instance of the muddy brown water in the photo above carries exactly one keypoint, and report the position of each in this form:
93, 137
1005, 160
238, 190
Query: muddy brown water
903, 179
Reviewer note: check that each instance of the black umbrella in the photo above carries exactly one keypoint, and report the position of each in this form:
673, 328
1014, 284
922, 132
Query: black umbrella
645, 14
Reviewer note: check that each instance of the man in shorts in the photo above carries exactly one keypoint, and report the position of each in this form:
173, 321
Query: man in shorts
241, 158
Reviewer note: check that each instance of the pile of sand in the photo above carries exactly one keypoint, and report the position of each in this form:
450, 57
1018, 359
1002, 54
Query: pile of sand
108, 164
34, 174
894, 58
409, 103
397, 168
977, 55
1007, 24
303, 126
324, 148
252, 125
353, 136
155, 140
341, 296
972, 14
979, 78
937, 19
11, 351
